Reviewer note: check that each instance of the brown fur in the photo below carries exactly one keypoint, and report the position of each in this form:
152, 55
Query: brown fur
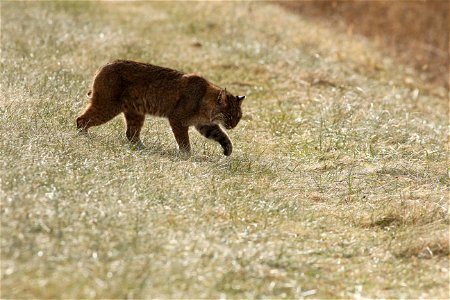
137, 89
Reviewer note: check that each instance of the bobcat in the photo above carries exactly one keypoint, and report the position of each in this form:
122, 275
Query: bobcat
137, 89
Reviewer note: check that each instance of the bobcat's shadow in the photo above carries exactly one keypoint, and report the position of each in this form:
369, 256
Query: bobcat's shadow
170, 152
154, 147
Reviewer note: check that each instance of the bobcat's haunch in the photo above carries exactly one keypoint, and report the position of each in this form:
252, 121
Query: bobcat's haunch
137, 89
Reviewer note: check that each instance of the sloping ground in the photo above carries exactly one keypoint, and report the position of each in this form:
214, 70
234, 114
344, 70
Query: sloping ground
415, 32
337, 186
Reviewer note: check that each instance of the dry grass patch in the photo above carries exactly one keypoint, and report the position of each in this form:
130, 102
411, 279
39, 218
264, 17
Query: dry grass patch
423, 44
337, 184
427, 246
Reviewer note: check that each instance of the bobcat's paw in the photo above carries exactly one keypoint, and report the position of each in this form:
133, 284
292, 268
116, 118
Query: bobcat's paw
227, 149
82, 131
138, 146
184, 152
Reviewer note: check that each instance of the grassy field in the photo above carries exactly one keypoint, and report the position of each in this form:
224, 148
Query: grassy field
337, 186
423, 43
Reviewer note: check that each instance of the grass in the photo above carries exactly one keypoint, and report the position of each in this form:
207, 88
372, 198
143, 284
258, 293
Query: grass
423, 44
337, 187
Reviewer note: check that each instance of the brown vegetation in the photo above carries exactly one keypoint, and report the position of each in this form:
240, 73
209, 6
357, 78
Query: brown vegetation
337, 187
414, 31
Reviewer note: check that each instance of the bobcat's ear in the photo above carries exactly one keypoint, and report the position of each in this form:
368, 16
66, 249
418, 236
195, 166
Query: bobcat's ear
240, 99
222, 98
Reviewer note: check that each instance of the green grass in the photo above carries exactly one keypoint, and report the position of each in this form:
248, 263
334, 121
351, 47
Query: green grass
337, 186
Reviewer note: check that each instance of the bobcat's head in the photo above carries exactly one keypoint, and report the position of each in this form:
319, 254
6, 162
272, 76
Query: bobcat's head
228, 109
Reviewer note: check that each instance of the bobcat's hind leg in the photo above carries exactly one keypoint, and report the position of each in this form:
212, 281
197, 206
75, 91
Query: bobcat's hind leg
96, 115
214, 132
134, 121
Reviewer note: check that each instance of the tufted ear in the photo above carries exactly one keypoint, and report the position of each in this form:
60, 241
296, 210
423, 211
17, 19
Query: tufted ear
222, 97
240, 99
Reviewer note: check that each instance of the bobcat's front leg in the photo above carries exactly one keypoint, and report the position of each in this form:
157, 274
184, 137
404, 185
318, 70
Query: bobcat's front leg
181, 135
214, 132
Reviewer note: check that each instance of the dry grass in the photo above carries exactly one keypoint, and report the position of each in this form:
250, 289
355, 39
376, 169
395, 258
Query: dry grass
415, 32
337, 188
426, 246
